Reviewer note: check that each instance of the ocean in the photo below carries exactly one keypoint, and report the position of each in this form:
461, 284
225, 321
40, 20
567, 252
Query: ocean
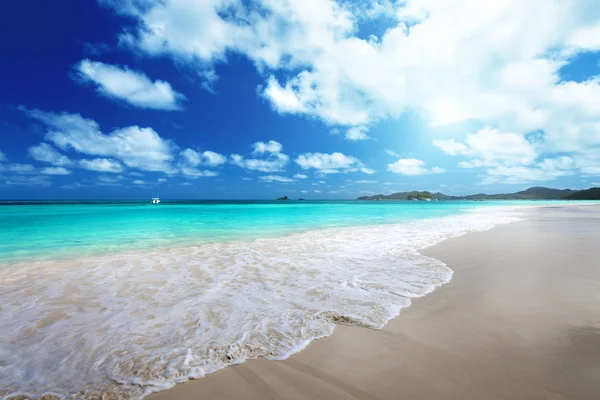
130, 298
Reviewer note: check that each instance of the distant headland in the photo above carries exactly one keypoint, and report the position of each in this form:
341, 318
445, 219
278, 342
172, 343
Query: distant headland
533, 193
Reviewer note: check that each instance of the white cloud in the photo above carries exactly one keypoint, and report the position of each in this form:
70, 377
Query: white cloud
56, 171
2, 156
412, 166
510, 158
549, 169
140, 148
31, 180
139, 182
190, 159
331, 163
196, 173
300, 176
357, 133
209, 158
271, 146
276, 178
105, 180
101, 165
18, 168
451, 146
72, 186
491, 145
130, 86
274, 162
392, 153
45, 153
423, 61
317, 191
365, 181
161, 180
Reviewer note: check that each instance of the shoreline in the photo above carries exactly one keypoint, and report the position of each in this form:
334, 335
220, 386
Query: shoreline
353, 276
355, 362
444, 234
193, 242
69, 254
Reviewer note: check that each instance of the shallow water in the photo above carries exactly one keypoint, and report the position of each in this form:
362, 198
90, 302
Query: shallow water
138, 312
46, 229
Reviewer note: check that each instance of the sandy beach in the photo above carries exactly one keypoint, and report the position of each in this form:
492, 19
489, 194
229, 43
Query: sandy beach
519, 320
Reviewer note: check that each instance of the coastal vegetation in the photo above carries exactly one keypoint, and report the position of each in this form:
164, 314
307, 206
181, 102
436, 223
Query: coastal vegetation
588, 194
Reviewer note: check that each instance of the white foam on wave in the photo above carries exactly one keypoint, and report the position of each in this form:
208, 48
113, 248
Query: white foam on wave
132, 323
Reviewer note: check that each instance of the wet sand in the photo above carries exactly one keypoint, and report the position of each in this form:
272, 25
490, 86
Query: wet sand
519, 320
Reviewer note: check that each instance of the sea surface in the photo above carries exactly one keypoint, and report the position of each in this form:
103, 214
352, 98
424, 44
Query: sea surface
129, 298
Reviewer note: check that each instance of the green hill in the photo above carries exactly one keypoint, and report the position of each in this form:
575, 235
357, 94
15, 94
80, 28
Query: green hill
414, 195
534, 193
588, 194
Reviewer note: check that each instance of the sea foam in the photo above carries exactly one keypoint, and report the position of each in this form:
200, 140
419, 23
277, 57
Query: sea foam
135, 323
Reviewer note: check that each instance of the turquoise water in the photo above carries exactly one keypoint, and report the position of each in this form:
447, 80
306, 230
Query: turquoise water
32, 230
92, 314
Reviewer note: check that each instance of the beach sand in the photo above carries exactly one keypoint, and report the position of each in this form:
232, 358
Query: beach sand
519, 320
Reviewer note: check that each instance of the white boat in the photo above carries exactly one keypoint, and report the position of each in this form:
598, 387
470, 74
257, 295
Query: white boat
427, 199
155, 200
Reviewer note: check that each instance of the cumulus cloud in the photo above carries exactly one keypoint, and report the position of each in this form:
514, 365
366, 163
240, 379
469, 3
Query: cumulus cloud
196, 173
105, 180
300, 176
55, 171
31, 180
412, 166
276, 178
356, 133
2, 156
331, 163
101, 165
346, 79
209, 158
509, 157
45, 153
392, 153
423, 61
133, 87
523, 174
271, 146
135, 147
450, 146
18, 168
274, 161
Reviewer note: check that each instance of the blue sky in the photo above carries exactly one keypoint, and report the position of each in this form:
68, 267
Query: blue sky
230, 99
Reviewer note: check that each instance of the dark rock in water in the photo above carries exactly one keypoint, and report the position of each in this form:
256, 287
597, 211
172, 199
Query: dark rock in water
283, 198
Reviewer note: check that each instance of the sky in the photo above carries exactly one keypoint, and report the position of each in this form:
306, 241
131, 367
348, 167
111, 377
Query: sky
319, 99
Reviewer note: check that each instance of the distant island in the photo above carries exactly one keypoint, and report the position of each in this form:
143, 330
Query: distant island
534, 193
283, 198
